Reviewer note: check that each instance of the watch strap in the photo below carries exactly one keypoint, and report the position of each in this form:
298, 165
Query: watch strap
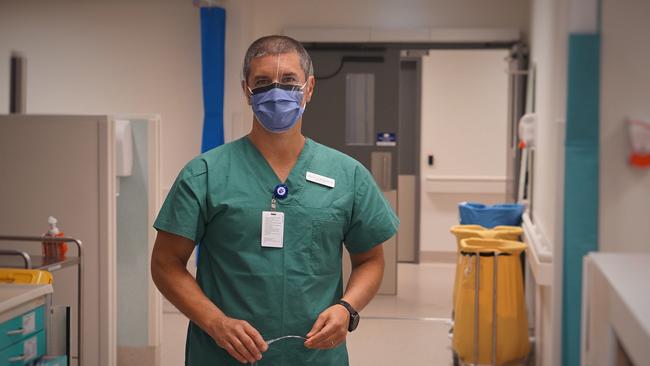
348, 306
354, 315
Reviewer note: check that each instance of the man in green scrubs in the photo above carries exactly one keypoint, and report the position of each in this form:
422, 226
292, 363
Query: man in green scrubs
271, 213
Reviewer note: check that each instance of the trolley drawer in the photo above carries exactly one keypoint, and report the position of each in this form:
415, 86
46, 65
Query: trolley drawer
24, 352
21, 327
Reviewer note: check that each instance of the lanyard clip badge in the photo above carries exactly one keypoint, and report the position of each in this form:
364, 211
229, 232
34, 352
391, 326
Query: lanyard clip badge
280, 192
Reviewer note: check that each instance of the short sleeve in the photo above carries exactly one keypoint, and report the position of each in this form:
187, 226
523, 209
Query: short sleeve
183, 212
373, 220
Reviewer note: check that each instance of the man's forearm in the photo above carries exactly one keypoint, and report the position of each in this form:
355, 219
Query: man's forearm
364, 282
181, 289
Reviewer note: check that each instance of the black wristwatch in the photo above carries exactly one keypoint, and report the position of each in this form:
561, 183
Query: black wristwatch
354, 315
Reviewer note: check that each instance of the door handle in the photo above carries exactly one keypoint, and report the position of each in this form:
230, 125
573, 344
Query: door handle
16, 332
16, 359
386, 179
430, 160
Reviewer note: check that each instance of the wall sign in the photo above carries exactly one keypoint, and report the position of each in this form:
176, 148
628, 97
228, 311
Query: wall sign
386, 139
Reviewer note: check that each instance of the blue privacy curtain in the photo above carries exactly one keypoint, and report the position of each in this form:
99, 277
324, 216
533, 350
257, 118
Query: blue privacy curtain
213, 39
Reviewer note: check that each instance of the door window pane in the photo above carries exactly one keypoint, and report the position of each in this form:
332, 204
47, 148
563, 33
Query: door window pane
359, 109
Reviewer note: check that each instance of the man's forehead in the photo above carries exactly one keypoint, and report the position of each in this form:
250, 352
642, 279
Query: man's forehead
285, 62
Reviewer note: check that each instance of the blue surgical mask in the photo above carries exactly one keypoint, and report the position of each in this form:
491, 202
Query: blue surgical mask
278, 106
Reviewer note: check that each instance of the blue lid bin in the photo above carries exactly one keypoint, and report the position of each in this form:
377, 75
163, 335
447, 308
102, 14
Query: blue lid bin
472, 213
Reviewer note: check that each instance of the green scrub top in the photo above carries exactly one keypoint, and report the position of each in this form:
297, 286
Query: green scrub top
217, 202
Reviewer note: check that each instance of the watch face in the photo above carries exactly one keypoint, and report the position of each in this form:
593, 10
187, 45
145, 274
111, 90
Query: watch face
354, 322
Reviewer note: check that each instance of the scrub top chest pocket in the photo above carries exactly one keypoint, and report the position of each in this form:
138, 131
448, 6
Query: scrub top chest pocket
328, 208
326, 246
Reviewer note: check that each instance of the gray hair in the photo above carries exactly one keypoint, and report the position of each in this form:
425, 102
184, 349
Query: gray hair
275, 45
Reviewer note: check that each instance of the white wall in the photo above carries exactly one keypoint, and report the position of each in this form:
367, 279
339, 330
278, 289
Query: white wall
548, 41
388, 13
625, 92
111, 57
464, 125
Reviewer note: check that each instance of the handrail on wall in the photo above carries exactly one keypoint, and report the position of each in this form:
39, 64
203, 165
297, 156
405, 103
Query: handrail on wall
465, 184
540, 254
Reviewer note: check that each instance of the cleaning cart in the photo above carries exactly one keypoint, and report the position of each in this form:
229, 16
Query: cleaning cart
13, 259
490, 325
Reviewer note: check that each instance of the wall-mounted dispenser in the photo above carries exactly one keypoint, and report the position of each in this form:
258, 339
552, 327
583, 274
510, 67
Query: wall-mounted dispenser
123, 151
527, 130
639, 131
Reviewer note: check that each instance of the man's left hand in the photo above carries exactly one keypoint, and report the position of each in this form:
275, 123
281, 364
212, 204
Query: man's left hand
330, 329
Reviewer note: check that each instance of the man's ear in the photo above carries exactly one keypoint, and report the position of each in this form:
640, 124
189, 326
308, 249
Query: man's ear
245, 91
311, 82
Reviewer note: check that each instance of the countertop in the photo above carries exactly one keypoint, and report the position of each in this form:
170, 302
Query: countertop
627, 277
15, 295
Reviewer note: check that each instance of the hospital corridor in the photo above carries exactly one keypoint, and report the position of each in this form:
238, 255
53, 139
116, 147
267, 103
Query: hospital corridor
325, 183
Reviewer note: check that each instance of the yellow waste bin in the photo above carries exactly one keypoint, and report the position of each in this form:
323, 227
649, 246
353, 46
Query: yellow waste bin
477, 231
25, 276
494, 329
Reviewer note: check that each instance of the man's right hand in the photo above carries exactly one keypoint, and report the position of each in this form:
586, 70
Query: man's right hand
238, 338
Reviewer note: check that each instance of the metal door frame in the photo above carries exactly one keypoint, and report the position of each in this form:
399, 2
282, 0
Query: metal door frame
418, 116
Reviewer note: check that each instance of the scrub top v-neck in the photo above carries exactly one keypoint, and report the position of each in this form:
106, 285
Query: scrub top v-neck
268, 179
217, 201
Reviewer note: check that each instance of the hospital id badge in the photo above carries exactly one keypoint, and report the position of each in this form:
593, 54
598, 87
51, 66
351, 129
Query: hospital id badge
272, 229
